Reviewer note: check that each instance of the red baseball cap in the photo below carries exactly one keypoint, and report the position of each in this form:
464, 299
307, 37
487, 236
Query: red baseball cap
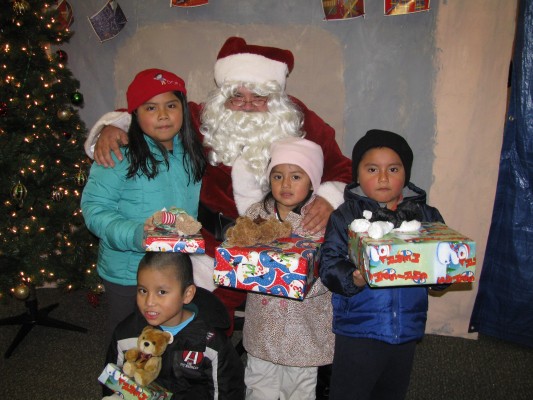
150, 83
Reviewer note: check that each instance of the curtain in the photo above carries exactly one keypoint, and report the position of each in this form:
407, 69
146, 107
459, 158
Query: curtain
504, 303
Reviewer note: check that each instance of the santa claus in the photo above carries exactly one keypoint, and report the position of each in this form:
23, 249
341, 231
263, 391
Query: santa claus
239, 121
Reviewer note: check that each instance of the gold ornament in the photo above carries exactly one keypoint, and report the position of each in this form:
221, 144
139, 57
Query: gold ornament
57, 195
20, 6
64, 115
80, 178
19, 192
21, 292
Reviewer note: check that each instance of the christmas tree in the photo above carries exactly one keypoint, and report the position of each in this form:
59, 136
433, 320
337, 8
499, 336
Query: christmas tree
43, 167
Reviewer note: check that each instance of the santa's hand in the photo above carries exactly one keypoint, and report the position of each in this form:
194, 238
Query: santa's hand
358, 278
110, 140
317, 215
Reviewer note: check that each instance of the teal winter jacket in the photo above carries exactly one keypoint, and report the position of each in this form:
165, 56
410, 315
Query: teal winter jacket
115, 208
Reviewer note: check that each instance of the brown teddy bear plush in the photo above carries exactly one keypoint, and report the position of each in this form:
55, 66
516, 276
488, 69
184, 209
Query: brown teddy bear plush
248, 232
144, 362
176, 220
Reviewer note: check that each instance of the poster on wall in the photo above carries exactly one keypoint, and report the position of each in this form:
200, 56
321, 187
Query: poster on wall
335, 10
402, 7
109, 21
188, 3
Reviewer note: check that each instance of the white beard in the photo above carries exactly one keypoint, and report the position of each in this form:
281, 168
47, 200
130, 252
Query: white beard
247, 135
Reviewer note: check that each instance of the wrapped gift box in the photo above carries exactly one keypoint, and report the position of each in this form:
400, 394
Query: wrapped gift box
161, 240
128, 389
284, 268
435, 254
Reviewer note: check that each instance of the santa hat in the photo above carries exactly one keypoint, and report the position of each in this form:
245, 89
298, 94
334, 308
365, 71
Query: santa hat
150, 83
239, 61
301, 152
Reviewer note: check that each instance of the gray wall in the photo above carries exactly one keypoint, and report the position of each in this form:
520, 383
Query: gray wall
386, 65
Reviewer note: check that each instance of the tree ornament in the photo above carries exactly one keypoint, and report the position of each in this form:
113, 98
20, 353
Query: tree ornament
19, 192
20, 6
57, 195
76, 98
67, 135
3, 109
62, 56
80, 178
21, 292
64, 115
93, 298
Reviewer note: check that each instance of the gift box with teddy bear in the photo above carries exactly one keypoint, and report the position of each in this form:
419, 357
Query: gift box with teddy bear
270, 261
136, 379
431, 254
175, 231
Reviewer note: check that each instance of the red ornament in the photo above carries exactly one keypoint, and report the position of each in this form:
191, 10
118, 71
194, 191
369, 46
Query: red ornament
62, 56
3, 109
93, 298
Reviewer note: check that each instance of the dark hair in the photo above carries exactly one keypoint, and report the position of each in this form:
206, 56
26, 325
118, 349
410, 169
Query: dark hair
141, 158
180, 263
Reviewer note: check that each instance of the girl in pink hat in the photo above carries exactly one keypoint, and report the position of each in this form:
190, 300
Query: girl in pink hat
287, 340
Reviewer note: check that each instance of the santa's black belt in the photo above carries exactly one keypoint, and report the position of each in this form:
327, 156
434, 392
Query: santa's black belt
215, 222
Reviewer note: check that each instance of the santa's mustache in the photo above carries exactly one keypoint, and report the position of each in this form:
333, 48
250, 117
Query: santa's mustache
250, 127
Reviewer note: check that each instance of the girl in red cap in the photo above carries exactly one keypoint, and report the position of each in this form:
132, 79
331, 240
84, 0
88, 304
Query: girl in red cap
164, 168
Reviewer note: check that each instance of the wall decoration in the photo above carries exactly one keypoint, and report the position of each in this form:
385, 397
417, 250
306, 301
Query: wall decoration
109, 21
343, 9
188, 3
401, 7
65, 16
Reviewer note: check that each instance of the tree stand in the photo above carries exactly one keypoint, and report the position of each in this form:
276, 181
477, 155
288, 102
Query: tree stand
33, 316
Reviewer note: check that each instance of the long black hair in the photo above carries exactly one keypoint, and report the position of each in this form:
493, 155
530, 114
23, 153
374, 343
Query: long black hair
141, 158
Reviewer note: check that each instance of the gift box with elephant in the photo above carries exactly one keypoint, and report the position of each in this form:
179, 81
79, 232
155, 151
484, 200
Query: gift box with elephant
284, 267
432, 254
174, 231
126, 388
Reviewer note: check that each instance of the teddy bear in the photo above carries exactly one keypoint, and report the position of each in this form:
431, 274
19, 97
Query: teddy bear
176, 220
248, 232
143, 363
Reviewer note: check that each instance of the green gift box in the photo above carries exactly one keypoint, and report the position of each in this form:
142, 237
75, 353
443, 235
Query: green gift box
126, 387
435, 254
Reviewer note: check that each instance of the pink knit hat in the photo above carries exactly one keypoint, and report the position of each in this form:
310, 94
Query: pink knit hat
240, 61
301, 152
150, 83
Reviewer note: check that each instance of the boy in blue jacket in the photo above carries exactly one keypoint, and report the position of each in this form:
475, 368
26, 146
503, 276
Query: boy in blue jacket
376, 330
